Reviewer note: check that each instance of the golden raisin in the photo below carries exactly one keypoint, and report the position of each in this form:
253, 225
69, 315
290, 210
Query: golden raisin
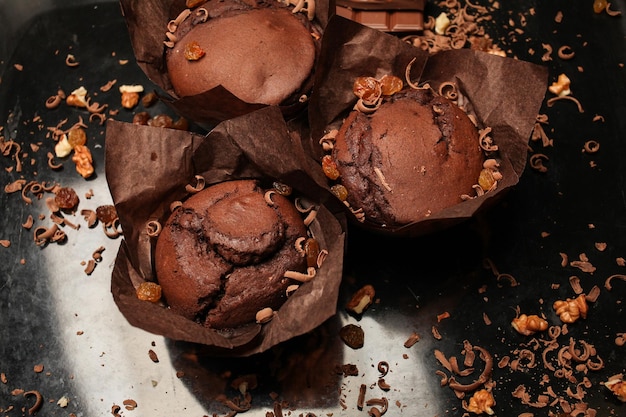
599, 5
106, 214
330, 167
149, 291
193, 51
340, 192
66, 198
366, 88
390, 84
77, 136
486, 179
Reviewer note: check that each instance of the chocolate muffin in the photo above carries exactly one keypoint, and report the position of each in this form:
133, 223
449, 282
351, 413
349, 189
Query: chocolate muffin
260, 51
222, 256
417, 154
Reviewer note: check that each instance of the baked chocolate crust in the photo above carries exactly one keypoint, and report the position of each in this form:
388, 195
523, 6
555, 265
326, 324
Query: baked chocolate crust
221, 257
415, 155
260, 52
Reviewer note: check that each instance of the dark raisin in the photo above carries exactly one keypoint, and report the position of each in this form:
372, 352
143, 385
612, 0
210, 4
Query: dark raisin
352, 335
66, 198
106, 214
161, 120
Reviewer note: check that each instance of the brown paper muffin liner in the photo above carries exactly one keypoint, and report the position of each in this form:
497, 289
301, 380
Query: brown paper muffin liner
147, 23
147, 168
504, 94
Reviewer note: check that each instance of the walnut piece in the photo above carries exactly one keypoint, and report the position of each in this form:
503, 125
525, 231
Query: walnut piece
361, 300
571, 310
130, 100
83, 160
528, 325
617, 386
130, 95
77, 98
561, 86
481, 402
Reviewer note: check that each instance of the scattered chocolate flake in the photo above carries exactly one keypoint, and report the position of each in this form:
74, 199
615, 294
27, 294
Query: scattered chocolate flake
348, 369
361, 398
153, 356
583, 264
130, 404
607, 282
442, 316
435, 332
574, 281
38, 401
593, 295
115, 410
412, 340
91, 266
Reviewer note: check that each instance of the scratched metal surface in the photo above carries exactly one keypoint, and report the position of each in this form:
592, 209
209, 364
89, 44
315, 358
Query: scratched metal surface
52, 313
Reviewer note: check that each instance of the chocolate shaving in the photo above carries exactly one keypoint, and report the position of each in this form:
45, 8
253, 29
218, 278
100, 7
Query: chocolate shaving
38, 401
607, 282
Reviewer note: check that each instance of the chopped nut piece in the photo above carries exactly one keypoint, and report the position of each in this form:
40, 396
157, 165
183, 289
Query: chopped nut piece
83, 160
264, 315
361, 300
617, 386
130, 100
77, 98
561, 86
570, 310
441, 23
63, 147
481, 402
63, 402
528, 325
130, 95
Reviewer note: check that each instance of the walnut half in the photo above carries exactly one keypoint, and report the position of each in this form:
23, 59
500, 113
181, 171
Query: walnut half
528, 325
83, 160
481, 402
571, 310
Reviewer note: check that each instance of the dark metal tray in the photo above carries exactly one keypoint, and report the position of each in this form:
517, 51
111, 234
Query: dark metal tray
53, 314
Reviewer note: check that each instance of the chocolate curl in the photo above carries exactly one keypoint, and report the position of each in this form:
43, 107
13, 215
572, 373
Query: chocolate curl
147, 169
505, 94
147, 21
